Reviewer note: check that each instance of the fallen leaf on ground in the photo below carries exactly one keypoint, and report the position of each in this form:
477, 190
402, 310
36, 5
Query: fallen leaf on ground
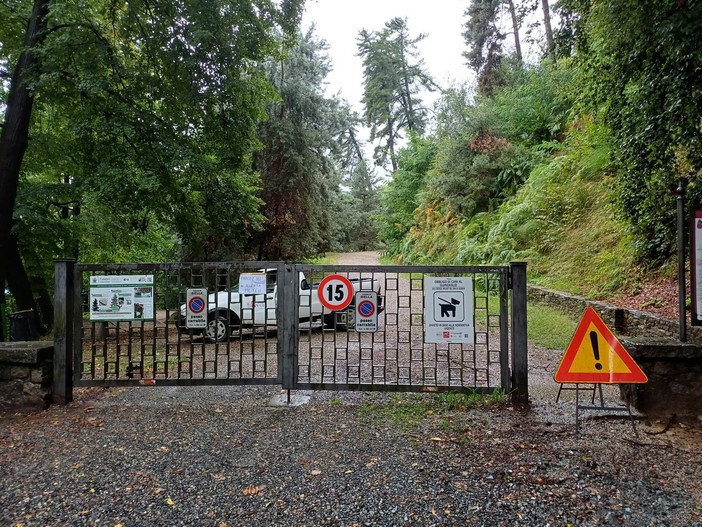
252, 491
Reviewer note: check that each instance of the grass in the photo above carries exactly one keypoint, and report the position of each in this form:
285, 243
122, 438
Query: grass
549, 327
327, 259
407, 411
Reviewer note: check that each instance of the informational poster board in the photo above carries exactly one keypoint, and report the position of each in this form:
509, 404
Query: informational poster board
696, 267
122, 297
449, 313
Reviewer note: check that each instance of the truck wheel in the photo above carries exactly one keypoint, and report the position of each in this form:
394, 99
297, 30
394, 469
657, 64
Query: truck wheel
331, 323
217, 329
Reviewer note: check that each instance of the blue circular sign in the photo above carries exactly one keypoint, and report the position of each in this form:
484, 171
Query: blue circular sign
366, 308
197, 304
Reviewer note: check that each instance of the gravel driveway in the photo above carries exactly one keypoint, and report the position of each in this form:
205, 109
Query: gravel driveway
216, 456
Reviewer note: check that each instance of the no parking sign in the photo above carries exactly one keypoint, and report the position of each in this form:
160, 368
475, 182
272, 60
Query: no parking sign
366, 311
196, 309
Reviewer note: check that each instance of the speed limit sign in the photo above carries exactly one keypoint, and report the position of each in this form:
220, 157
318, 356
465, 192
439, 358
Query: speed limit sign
335, 292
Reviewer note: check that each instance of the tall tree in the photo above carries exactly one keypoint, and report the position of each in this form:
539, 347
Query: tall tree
550, 48
484, 39
393, 77
298, 162
14, 138
158, 104
515, 31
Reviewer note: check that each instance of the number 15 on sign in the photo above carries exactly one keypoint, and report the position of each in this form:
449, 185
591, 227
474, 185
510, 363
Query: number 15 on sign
335, 292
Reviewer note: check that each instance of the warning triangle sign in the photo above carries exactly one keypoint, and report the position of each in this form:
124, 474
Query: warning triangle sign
596, 356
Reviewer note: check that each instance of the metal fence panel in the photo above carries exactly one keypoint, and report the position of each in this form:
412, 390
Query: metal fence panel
163, 350
332, 356
286, 336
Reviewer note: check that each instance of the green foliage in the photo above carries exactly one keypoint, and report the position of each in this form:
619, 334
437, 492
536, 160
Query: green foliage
298, 177
641, 63
534, 106
392, 80
144, 122
549, 328
356, 211
561, 221
470, 173
401, 196
407, 411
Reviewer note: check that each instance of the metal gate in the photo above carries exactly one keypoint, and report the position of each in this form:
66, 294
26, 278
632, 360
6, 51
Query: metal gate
191, 324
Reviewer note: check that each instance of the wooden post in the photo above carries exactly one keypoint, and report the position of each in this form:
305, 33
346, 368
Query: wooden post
62, 386
520, 378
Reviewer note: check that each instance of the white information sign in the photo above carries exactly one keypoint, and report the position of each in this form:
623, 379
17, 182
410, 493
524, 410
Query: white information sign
448, 312
252, 284
122, 297
366, 311
196, 309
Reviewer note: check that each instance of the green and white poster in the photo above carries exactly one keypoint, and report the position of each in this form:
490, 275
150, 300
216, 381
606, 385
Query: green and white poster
122, 297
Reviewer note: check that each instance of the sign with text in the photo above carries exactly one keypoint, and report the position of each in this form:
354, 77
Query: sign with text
366, 311
448, 310
252, 284
335, 292
121, 297
196, 309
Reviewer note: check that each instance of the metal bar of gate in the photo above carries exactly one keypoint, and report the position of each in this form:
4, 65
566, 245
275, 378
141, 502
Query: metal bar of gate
62, 389
520, 391
288, 324
338, 359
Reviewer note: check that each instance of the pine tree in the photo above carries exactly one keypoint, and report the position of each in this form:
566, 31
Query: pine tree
393, 77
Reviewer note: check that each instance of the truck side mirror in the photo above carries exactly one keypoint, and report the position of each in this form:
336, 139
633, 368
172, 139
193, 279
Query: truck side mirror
304, 285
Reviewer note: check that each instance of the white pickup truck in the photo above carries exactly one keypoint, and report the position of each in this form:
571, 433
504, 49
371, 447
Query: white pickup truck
229, 310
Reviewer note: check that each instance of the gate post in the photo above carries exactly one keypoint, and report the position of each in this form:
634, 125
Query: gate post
288, 309
520, 379
64, 276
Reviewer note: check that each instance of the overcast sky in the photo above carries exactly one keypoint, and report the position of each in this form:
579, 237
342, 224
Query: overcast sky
340, 22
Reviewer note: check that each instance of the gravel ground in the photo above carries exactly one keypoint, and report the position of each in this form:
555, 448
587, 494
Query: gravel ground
216, 456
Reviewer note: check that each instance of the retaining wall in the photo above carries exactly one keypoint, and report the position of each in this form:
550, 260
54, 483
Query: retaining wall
673, 368
25, 374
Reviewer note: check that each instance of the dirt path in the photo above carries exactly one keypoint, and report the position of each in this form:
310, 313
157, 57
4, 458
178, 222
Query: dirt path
221, 455
359, 258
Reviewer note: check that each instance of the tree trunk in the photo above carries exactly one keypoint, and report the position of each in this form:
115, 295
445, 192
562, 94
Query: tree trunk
550, 49
515, 25
13, 144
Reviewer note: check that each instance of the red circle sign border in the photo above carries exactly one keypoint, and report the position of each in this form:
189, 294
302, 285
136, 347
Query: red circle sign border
361, 304
190, 304
325, 281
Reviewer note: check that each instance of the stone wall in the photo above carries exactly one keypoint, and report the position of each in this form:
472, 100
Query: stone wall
673, 368
621, 321
674, 371
25, 374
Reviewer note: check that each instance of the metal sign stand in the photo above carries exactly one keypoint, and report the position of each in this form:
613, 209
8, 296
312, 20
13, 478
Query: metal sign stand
600, 407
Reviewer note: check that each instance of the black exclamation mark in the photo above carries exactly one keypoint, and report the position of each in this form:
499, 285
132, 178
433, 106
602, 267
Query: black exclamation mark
595, 349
